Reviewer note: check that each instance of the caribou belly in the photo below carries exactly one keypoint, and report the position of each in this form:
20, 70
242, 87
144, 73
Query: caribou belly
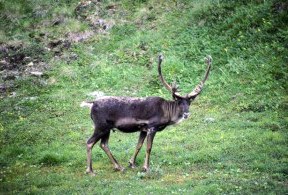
130, 125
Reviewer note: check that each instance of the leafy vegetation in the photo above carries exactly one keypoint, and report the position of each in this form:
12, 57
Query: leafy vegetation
234, 142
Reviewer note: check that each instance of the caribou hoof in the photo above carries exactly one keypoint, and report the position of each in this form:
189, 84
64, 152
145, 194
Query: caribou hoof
132, 165
91, 173
122, 169
145, 169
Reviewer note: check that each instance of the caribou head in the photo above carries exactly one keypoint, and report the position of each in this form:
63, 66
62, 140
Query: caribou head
183, 101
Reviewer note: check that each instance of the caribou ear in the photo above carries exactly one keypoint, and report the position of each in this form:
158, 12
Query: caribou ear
176, 97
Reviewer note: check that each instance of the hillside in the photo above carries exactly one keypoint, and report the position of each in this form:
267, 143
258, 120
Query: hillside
54, 54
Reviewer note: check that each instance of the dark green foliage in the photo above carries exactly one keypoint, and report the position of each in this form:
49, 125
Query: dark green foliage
50, 160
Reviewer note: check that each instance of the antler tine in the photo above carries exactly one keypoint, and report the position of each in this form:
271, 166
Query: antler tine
209, 62
175, 87
199, 87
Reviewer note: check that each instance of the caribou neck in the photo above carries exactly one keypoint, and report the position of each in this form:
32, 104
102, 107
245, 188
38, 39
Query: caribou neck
171, 111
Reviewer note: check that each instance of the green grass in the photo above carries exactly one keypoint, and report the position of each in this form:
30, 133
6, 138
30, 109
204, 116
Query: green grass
235, 141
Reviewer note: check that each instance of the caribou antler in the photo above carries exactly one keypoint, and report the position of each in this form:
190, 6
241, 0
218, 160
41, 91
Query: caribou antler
174, 89
199, 87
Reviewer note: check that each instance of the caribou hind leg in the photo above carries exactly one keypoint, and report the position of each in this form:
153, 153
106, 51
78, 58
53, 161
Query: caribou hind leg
142, 137
104, 146
89, 145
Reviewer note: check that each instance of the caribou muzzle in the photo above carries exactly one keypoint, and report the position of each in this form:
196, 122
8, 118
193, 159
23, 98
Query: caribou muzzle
186, 115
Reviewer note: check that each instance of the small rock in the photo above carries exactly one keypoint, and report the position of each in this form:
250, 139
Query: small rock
13, 94
73, 56
27, 59
31, 98
209, 120
36, 73
58, 21
47, 48
30, 64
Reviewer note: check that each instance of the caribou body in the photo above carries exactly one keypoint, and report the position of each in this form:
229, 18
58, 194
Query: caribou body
146, 115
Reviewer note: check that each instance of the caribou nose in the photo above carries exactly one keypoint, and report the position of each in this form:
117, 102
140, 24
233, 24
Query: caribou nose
186, 115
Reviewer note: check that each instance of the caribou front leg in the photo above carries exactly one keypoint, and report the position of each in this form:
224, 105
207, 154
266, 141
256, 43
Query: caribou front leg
150, 136
142, 137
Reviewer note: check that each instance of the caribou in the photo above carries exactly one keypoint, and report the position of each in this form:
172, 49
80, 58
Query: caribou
145, 115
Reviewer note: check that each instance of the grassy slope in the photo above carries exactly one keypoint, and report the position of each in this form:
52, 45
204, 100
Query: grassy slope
243, 151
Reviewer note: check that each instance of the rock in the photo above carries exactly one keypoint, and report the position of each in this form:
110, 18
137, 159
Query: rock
209, 120
58, 21
30, 64
36, 73
30, 98
27, 59
73, 56
13, 94
47, 48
